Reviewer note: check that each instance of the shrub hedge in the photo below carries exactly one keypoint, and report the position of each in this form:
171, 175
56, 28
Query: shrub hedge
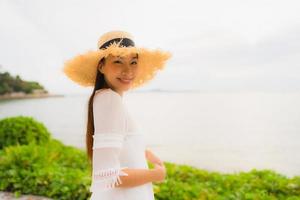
58, 171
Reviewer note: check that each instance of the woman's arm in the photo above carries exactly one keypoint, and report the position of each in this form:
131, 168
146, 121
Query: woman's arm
141, 176
138, 177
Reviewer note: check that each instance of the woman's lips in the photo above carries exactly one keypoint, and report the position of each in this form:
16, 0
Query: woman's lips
125, 81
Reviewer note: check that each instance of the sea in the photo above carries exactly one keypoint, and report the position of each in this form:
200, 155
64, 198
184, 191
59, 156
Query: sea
224, 132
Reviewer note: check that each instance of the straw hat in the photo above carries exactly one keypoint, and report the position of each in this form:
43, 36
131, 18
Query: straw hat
82, 69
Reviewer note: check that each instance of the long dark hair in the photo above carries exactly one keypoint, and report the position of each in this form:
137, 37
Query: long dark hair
99, 84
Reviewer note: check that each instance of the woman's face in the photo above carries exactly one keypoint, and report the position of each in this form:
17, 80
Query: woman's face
119, 72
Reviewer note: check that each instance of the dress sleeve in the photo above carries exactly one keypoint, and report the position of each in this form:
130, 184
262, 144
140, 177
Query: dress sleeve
109, 126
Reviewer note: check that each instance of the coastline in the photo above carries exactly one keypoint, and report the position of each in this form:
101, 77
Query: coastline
28, 96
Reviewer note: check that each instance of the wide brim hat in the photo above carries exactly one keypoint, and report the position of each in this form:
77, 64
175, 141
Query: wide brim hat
82, 69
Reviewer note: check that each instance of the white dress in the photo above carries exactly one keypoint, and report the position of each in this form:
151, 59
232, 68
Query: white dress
117, 145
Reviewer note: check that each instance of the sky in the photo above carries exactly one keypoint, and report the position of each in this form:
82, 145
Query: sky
216, 45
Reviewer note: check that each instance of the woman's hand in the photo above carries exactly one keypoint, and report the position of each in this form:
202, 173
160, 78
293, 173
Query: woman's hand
153, 158
160, 172
159, 167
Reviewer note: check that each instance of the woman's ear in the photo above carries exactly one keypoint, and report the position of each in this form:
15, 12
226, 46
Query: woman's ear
100, 68
101, 65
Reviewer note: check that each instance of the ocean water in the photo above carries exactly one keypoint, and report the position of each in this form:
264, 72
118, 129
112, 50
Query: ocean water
217, 131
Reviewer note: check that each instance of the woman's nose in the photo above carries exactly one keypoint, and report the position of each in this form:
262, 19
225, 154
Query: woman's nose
127, 71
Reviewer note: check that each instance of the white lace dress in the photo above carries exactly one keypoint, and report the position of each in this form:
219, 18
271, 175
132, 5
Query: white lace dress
118, 144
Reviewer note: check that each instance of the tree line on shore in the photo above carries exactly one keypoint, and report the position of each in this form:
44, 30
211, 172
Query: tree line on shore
11, 84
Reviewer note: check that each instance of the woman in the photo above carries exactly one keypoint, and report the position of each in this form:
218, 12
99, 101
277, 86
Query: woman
115, 147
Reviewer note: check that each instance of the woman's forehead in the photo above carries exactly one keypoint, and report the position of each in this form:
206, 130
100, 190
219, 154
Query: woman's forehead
131, 55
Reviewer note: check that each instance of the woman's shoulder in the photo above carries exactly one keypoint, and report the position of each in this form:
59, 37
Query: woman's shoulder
107, 97
109, 103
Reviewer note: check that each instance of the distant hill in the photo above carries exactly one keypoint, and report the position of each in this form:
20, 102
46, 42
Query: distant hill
10, 84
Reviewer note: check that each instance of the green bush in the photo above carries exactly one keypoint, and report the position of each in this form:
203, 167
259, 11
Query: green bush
52, 169
21, 130
63, 172
188, 183
40, 165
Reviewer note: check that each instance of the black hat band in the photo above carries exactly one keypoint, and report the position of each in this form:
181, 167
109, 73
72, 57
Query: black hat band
124, 42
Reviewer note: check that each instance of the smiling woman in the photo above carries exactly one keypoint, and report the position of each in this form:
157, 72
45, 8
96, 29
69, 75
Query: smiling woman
115, 147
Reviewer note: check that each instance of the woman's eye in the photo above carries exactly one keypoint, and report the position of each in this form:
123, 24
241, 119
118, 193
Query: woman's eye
117, 61
134, 62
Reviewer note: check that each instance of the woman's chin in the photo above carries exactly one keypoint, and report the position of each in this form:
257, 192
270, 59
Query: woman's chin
124, 87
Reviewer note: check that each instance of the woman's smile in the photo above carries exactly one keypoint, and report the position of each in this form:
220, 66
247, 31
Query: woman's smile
125, 81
